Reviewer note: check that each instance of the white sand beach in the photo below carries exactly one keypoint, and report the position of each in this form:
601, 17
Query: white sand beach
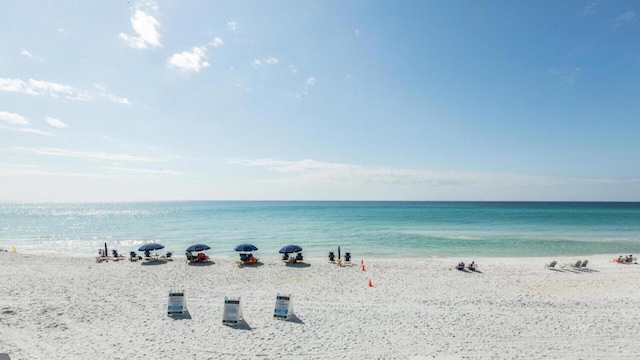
61, 306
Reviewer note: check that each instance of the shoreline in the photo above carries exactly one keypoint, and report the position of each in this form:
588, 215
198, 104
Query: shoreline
66, 306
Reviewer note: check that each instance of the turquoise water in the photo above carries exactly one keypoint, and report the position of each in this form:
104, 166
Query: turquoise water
366, 229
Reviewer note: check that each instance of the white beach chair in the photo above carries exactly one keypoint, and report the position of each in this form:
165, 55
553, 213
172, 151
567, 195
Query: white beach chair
551, 265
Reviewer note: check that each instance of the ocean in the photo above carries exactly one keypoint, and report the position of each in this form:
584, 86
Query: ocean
363, 228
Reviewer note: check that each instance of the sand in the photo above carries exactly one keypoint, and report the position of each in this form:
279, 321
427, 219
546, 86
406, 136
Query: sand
62, 306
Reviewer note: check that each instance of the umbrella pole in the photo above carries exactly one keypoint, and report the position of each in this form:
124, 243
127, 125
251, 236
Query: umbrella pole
338, 252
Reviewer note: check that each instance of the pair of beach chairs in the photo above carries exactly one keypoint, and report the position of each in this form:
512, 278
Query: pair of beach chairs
347, 257
103, 256
471, 266
194, 259
578, 265
246, 259
292, 259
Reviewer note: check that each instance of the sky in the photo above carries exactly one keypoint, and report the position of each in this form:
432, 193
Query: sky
319, 100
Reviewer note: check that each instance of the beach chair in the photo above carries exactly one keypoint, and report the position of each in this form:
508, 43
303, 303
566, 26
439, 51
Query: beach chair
299, 256
116, 255
133, 256
243, 257
573, 266
583, 266
473, 266
191, 258
551, 265
332, 257
285, 257
347, 258
460, 266
168, 255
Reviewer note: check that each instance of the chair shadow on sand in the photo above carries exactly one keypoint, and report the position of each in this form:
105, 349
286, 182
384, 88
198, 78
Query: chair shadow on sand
240, 325
184, 316
298, 264
295, 319
199, 263
153, 262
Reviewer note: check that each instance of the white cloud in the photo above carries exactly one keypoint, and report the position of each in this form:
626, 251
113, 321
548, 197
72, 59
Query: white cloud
309, 172
232, 25
565, 77
92, 155
145, 27
13, 118
55, 122
144, 171
591, 7
294, 70
56, 90
190, 60
216, 42
26, 53
357, 32
625, 18
269, 61
310, 81
27, 130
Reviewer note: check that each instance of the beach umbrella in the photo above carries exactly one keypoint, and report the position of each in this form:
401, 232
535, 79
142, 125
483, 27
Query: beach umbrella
290, 249
198, 247
151, 246
245, 247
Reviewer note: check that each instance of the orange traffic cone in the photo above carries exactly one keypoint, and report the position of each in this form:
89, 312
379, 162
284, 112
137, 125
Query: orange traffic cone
362, 262
362, 267
370, 284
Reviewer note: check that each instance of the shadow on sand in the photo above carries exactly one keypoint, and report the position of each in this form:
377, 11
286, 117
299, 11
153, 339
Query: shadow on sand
298, 264
184, 316
153, 262
240, 325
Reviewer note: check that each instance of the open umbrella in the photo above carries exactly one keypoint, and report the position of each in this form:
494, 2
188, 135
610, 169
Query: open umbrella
151, 246
290, 249
198, 247
245, 247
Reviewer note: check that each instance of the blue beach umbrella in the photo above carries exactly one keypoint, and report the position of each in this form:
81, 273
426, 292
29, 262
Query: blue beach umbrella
245, 247
198, 247
290, 249
151, 246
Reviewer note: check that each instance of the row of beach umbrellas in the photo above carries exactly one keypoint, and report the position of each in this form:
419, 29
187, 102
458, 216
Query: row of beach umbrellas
202, 247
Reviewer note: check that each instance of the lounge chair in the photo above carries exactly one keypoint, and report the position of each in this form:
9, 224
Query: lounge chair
168, 255
117, 255
299, 257
573, 266
460, 266
191, 258
473, 266
583, 266
102, 256
551, 265
347, 258
133, 256
285, 257
332, 257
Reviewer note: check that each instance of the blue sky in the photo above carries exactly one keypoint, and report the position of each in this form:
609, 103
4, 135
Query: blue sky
320, 100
